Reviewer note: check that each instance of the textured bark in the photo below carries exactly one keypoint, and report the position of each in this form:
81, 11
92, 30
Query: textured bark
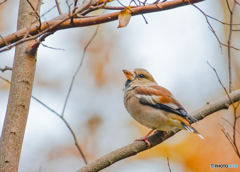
20, 93
159, 137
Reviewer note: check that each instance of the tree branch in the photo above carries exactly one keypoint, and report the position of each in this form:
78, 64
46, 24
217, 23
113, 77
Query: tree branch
23, 72
6, 68
159, 137
61, 22
229, 49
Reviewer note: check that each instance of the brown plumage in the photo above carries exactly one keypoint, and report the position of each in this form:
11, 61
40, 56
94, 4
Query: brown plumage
152, 105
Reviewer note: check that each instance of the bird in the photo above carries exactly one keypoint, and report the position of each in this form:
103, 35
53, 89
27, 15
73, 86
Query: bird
154, 106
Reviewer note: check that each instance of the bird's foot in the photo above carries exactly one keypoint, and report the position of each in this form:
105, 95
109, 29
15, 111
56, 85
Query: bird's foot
144, 139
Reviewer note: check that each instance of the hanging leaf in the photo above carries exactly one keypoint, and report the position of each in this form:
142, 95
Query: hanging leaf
124, 17
103, 1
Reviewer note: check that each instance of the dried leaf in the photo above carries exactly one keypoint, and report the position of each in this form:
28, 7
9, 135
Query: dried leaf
103, 1
124, 17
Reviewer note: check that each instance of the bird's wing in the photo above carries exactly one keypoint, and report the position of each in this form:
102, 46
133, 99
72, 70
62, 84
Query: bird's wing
159, 97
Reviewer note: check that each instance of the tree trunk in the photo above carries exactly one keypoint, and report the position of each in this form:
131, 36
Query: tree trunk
20, 92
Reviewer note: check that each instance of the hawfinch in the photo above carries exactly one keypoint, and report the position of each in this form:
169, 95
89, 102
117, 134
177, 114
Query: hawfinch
154, 106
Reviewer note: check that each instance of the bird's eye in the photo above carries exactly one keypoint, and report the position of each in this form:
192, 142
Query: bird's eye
141, 76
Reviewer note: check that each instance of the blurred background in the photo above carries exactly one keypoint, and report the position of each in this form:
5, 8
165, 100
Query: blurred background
174, 47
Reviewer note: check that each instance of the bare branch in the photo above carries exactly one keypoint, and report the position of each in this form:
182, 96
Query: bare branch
234, 131
63, 21
79, 66
229, 123
213, 31
33, 9
68, 126
141, 14
3, 2
52, 47
224, 130
6, 68
38, 17
229, 49
237, 2
157, 138
221, 83
168, 164
232, 141
222, 22
41, 39
58, 7
5, 80
228, 6
63, 119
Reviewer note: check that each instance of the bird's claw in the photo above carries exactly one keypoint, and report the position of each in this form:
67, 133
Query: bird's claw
144, 139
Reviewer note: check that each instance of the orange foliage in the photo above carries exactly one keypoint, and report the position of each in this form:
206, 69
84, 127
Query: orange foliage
124, 17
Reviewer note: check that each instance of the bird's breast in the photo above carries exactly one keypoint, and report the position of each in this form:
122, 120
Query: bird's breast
146, 115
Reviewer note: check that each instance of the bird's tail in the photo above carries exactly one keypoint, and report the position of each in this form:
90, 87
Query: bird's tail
191, 129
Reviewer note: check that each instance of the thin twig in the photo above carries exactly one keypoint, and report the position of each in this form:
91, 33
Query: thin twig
52, 47
230, 79
141, 14
222, 22
211, 28
73, 11
221, 83
35, 36
229, 49
48, 11
33, 9
229, 123
38, 16
91, 9
40, 39
5, 80
68, 126
80, 64
228, 6
6, 68
224, 130
234, 131
58, 7
168, 165
237, 2
64, 120
232, 141
3, 2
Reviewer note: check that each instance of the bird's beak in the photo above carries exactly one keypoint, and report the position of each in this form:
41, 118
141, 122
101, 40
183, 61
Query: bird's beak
129, 75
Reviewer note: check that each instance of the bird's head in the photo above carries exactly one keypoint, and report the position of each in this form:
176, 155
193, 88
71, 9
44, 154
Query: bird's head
140, 77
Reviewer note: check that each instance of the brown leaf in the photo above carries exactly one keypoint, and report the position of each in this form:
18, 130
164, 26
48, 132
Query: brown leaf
124, 17
103, 1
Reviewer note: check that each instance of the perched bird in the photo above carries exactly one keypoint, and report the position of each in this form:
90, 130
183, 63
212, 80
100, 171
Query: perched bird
154, 106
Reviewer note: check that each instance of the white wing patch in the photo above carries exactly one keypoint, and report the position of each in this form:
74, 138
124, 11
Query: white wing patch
153, 100
171, 105
147, 98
